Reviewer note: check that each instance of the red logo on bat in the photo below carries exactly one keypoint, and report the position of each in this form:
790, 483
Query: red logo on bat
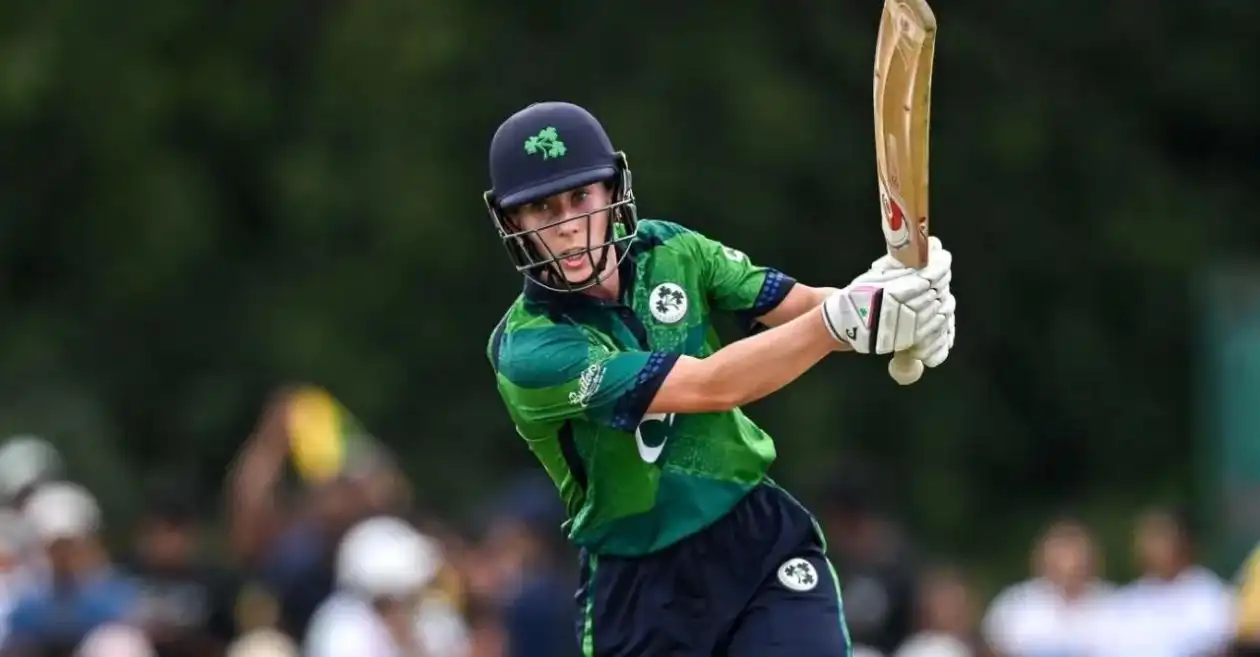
895, 231
896, 217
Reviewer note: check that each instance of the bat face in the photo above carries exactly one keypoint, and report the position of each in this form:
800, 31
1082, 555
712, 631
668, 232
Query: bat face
903, 85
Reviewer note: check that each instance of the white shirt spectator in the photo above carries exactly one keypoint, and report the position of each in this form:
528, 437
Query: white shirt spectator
1034, 619
344, 626
347, 626
865, 651
112, 640
263, 642
1189, 616
384, 558
933, 644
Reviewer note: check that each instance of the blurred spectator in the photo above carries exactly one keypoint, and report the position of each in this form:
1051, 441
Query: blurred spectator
256, 610
946, 618
382, 606
186, 604
20, 565
1051, 614
465, 583
485, 631
872, 558
115, 640
292, 547
25, 462
522, 552
263, 643
291, 554
82, 590
1176, 608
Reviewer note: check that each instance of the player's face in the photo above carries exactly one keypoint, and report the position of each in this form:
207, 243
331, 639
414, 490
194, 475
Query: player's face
568, 226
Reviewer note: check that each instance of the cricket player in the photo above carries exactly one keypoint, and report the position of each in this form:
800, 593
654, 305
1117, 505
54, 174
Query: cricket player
612, 373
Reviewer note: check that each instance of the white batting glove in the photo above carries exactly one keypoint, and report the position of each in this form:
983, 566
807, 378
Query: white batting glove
933, 308
881, 318
935, 348
938, 271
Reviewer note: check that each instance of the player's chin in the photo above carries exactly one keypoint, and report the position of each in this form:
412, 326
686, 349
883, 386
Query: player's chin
576, 274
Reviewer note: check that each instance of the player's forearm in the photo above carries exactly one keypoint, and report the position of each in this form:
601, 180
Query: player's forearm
800, 300
745, 371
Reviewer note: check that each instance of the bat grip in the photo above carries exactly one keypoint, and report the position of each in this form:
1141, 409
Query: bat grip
904, 368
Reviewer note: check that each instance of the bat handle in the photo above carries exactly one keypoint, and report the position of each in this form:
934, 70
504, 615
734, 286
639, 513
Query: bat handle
904, 368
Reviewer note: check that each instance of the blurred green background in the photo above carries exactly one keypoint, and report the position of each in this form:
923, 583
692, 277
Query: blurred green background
200, 201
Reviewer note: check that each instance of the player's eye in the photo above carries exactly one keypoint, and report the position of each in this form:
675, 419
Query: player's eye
580, 195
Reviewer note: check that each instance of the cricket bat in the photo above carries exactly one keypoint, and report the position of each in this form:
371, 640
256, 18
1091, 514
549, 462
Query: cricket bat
903, 99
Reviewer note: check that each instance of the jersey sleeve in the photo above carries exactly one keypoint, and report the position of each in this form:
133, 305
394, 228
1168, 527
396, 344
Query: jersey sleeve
549, 375
735, 284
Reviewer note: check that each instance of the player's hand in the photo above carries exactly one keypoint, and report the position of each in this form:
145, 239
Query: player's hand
885, 317
935, 348
938, 271
933, 308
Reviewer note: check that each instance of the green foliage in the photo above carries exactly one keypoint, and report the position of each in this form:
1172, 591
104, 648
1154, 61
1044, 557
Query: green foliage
205, 199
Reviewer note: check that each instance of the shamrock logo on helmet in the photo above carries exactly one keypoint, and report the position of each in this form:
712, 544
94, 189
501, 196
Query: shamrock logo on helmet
547, 142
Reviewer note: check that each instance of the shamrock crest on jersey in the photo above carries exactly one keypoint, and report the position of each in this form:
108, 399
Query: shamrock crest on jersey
668, 303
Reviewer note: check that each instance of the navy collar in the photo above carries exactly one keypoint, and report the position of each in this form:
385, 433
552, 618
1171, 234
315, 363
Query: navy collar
554, 300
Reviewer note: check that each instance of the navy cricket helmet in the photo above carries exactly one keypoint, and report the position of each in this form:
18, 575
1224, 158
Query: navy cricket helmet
546, 149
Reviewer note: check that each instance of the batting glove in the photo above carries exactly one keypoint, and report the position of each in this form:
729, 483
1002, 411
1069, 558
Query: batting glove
933, 346
881, 318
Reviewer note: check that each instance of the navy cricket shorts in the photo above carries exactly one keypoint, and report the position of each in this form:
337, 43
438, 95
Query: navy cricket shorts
754, 584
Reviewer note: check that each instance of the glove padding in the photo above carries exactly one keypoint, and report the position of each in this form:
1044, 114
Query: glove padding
935, 348
882, 318
893, 308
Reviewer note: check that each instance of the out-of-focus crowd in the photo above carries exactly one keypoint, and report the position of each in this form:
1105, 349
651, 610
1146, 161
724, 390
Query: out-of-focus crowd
345, 565
350, 567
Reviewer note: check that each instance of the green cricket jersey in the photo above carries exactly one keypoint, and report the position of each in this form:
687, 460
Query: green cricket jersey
578, 373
